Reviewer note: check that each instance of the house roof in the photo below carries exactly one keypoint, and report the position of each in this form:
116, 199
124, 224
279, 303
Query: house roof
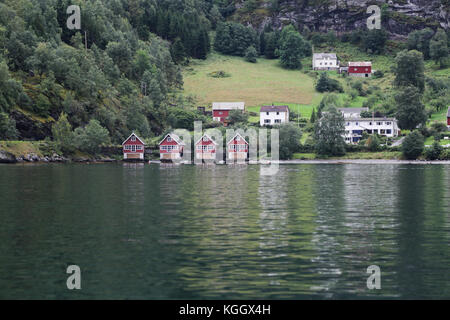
360, 64
228, 105
174, 137
370, 119
237, 134
352, 110
324, 55
448, 112
205, 135
274, 109
133, 134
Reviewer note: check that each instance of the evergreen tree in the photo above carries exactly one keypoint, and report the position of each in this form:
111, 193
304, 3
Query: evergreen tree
412, 146
251, 54
410, 110
328, 133
177, 51
439, 47
409, 70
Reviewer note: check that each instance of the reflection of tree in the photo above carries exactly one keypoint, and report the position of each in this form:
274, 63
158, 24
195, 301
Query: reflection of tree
369, 223
329, 196
411, 231
436, 253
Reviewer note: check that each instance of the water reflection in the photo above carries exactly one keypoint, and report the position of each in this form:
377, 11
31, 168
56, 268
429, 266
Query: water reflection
152, 232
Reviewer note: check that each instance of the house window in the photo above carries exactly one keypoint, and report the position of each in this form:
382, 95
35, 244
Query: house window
278, 113
382, 131
370, 123
220, 112
169, 139
277, 120
205, 139
266, 120
267, 113
133, 138
388, 123
133, 148
379, 123
389, 131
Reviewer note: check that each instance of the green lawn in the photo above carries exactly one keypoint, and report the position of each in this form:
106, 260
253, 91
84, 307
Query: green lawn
264, 82
430, 140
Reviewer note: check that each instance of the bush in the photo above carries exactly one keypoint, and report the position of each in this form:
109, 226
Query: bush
219, 74
413, 145
445, 154
251, 54
378, 74
327, 84
434, 152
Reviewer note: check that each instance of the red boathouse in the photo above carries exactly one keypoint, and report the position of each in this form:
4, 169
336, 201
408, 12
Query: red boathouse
237, 148
171, 147
133, 148
205, 148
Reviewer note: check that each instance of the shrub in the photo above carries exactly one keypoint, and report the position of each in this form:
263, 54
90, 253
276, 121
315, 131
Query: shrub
413, 145
434, 152
251, 54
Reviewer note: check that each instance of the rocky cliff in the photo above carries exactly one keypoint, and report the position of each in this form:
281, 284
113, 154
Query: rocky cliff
399, 17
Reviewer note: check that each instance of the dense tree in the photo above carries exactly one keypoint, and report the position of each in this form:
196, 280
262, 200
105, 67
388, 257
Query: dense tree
433, 152
7, 127
292, 48
412, 146
237, 116
233, 38
410, 109
439, 47
63, 134
328, 134
325, 83
420, 40
374, 40
290, 136
409, 70
91, 137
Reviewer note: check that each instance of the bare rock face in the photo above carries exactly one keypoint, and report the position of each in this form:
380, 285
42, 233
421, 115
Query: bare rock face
399, 17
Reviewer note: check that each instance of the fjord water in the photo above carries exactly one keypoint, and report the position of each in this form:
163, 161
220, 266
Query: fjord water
203, 232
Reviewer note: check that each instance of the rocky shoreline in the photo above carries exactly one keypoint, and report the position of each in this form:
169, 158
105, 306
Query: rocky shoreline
6, 157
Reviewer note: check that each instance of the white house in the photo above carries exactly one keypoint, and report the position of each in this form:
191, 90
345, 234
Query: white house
354, 128
325, 61
352, 112
273, 115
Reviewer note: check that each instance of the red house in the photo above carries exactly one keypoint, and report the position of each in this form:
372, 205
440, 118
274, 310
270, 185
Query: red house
360, 69
171, 147
133, 148
448, 118
221, 110
205, 148
237, 148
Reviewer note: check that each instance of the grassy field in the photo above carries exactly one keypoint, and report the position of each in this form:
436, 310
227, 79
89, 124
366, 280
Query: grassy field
19, 148
264, 82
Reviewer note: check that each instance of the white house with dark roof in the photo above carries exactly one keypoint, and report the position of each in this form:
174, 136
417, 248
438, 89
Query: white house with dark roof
354, 128
273, 115
325, 61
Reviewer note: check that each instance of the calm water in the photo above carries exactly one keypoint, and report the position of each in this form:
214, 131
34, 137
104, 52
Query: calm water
163, 232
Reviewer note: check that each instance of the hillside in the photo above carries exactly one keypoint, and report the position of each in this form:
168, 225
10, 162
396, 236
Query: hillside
145, 65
